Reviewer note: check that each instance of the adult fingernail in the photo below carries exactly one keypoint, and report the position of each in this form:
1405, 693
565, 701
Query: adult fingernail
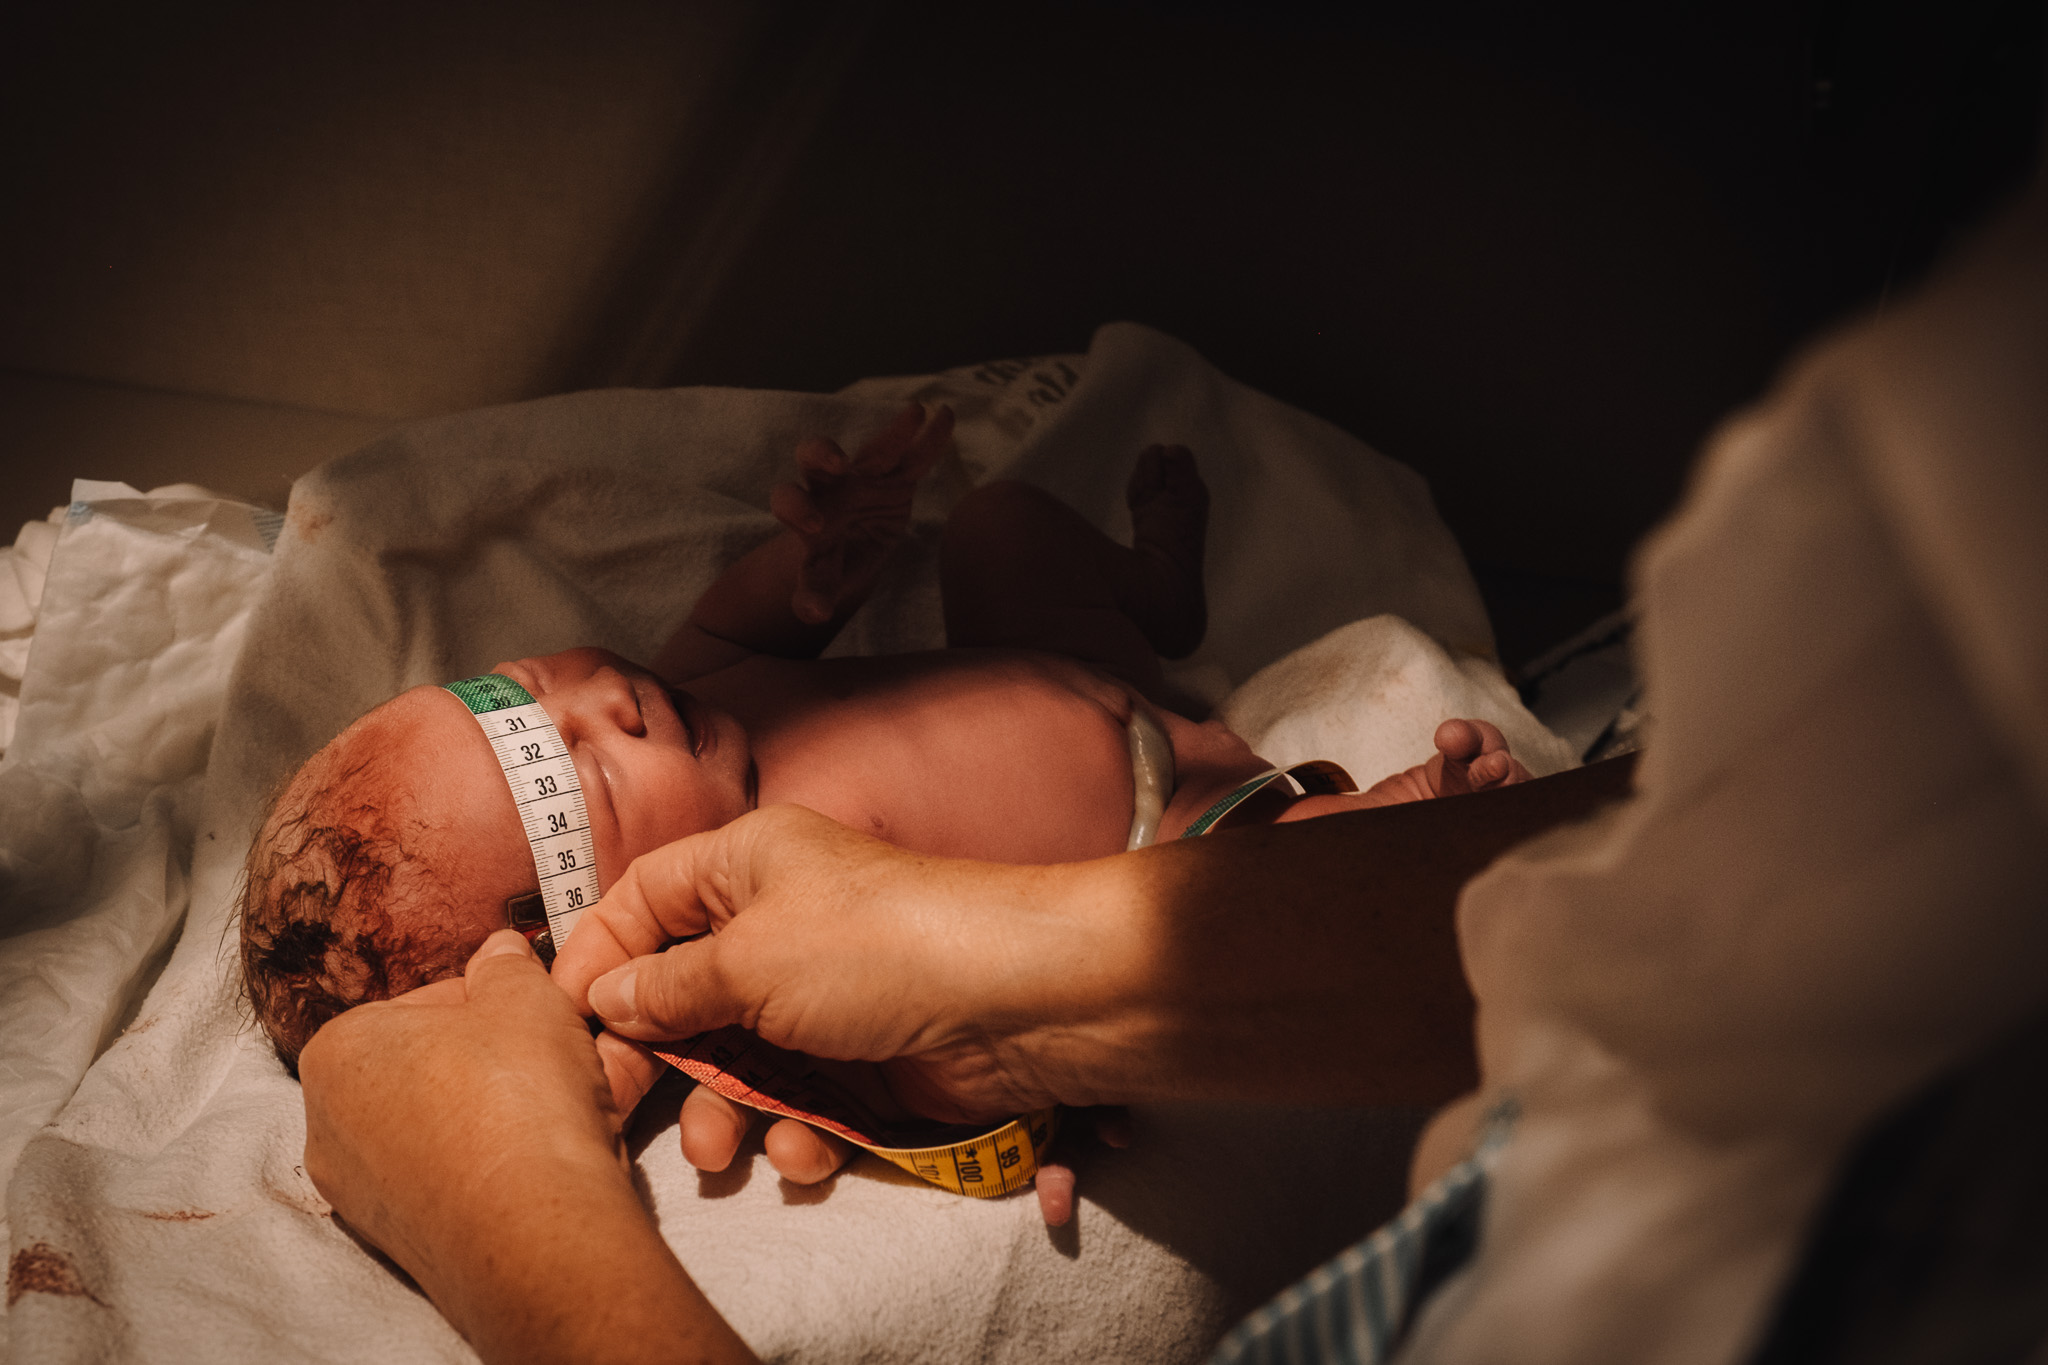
611, 996
505, 941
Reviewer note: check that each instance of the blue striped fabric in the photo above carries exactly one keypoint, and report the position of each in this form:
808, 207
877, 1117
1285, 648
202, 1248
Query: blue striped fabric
1354, 1308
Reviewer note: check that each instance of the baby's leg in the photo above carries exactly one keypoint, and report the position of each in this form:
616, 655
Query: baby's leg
1023, 570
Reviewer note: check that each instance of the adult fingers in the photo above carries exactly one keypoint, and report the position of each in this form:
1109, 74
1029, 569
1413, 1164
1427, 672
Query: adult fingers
804, 1155
677, 994
451, 991
504, 973
508, 943
656, 902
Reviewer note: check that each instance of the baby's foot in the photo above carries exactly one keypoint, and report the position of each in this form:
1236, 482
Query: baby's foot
1170, 524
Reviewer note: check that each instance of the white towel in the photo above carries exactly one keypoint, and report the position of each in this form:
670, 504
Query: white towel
164, 1215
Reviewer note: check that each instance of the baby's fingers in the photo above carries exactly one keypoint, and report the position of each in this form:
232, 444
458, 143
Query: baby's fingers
933, 440
819, 583
712, 1128
804, 1155
630, 1069
1054, 1184
886, 450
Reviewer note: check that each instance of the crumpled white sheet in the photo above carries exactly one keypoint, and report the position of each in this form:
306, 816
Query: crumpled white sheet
136, 606
164, 1211
24, 566
1371, 694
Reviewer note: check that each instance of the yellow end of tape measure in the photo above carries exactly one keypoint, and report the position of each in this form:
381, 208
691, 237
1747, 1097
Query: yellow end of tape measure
964, 1158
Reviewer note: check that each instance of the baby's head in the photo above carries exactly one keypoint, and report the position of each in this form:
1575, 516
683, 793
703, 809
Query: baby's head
393, 852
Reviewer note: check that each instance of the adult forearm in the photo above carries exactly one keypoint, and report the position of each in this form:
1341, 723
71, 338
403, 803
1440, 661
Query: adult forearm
1299, 962
1316, 960
467, 1129
556, 1239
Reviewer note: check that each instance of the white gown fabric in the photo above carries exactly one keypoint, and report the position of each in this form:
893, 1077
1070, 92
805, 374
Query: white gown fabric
1833, 879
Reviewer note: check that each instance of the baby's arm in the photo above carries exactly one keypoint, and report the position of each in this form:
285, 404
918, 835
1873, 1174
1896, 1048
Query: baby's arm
790, 596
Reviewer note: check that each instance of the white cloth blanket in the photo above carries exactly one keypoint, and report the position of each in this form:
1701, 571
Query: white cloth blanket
163, 1214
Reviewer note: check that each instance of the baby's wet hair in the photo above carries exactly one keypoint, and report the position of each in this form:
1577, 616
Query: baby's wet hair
333, 860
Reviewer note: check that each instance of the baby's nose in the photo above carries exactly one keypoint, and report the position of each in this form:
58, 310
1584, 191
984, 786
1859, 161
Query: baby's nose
607, 697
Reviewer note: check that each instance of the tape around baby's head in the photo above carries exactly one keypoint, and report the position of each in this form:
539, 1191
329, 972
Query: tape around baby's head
542, 775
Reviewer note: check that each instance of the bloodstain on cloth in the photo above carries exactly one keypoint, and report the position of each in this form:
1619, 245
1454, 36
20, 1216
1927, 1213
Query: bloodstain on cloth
42, 1269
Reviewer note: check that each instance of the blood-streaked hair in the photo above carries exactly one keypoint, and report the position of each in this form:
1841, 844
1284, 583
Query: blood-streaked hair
335, 861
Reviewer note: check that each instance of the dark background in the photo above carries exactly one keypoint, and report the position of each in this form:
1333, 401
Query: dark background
1535, 252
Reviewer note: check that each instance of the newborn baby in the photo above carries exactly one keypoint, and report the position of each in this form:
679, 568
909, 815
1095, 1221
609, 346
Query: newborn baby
397, 848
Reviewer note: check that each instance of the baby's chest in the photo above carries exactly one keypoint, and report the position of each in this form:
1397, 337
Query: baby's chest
1011, 766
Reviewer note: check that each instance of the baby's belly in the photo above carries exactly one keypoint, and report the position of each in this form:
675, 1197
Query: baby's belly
1006, 757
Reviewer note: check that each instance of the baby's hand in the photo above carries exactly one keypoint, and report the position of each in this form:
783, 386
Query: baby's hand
850, 512
1471, 756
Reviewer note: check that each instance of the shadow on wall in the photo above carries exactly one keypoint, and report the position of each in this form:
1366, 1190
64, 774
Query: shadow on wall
1534, 254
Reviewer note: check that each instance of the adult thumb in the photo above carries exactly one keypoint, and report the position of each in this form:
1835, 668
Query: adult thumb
678, 993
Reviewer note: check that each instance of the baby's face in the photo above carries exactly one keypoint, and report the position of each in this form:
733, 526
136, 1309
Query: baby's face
655, 765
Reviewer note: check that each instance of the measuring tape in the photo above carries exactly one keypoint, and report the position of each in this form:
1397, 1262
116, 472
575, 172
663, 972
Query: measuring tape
966, 1159
542, 775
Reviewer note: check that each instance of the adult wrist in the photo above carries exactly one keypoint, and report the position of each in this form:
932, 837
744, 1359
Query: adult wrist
1065, 1003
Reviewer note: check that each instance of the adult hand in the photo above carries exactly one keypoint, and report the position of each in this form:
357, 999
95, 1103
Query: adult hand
957, 962
470, 1129
1311, 962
